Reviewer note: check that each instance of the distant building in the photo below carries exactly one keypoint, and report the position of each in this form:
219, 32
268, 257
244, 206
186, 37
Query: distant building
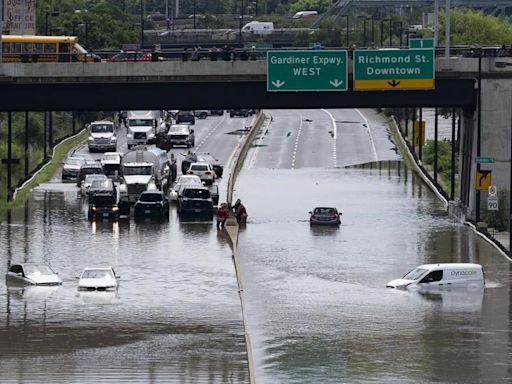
19, 17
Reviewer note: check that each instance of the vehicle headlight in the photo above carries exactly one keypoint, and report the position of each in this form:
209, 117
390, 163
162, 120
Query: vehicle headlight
150, 135
93, 208
113, 139
129, 135
91, 138
115, 209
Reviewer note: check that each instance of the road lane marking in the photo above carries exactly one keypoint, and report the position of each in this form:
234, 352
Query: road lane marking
369, 134
211, 131
296, 146
334, 136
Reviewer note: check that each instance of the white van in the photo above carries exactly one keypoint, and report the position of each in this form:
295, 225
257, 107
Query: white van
445, 275
259, 27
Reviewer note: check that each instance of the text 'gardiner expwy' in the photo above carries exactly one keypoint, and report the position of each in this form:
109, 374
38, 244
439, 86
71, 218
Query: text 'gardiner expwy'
306, 60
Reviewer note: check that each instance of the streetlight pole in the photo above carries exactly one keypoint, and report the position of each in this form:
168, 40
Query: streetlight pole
47, 14
390, 33
241, 21
142, 23
364, 30
194, 14
347, 31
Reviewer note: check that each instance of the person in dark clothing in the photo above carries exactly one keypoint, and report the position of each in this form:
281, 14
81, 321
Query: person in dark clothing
240, 212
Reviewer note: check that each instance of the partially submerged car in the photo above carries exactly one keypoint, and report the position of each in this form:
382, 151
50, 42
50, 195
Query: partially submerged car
98, 279
87, 183
71, 167
181, 181
194, 157
325, 216
152, 204
195, 201
32, 274
442, 275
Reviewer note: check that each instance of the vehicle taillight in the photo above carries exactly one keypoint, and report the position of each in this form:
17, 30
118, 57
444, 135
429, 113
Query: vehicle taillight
190, 172
207, 173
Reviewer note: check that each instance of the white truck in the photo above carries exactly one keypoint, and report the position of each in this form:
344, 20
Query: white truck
143, 126
143, 169
259, 27
102, 136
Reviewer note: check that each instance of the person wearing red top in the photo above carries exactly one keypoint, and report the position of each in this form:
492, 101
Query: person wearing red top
222, 215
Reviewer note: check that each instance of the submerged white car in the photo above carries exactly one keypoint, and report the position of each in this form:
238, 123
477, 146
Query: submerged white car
98, 279
32, 274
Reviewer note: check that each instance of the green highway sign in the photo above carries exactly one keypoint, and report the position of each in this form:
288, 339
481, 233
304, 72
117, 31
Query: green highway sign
421, 43
307, 71
389, 70
485, 160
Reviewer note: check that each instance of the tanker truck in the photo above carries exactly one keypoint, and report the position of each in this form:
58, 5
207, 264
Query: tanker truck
143, 169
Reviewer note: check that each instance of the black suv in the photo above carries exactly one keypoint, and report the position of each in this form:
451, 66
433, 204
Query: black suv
185, 117
195, 201
152, 204
201, 158
89, 168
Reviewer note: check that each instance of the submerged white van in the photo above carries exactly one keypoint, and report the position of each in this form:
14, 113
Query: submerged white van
444, 275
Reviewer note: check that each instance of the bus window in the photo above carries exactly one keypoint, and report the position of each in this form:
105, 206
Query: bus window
63, 48
27, 47
50, 48
6, 47
17, 47
38, 47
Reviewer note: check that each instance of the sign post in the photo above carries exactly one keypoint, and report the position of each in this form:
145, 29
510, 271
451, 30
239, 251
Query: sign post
391, 70
307, 71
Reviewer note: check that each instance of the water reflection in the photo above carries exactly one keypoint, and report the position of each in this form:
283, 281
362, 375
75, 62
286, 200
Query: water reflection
317, 306
175, 317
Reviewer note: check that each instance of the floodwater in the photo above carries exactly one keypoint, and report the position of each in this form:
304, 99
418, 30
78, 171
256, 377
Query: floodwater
316, 306
174, 318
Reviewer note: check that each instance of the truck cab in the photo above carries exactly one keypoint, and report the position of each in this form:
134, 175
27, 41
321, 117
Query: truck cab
102, 136
143, 126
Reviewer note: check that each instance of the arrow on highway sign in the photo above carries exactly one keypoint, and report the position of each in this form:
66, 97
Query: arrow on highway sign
394, 83
278, 83
336, 83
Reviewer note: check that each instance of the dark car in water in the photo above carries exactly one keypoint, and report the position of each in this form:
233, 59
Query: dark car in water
195, 201
325, 216
152, 204
185, 117
239, 112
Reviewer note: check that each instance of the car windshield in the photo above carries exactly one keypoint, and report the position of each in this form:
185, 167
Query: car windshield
199, 167
102, 128
90, 178
189, 180
325, 211
141, 123
102, 201
196, 193
151, 197
111, 158
37, 270
415, 274
74, 162
92, 170
97, 274
139, 170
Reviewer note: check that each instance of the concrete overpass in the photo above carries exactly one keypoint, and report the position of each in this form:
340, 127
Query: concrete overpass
208, 84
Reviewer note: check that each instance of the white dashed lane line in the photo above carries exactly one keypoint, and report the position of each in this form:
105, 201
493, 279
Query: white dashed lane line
296, 146
335, 136
211, 132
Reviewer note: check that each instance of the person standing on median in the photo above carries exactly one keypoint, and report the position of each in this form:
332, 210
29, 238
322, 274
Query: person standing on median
222, 215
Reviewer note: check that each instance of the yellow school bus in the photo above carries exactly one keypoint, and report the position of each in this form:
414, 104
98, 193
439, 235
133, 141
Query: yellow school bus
43, 49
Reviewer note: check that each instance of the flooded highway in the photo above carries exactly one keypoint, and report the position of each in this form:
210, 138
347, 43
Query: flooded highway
317, 309
174, 318
316, 306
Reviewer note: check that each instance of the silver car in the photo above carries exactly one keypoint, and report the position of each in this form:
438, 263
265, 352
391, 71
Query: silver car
32, 274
